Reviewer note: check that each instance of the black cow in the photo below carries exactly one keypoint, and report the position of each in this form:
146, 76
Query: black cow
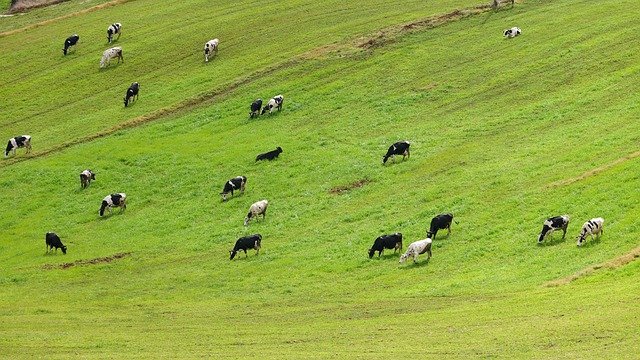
552, 224
17, 142
71, 41
255, 108
132, 93
236, 183
245, 243
53, 241
86, 177
439, 222
269, 155
393, 241
399, 148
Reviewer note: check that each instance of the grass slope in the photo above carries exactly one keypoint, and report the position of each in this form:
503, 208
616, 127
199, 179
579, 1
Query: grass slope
495, 126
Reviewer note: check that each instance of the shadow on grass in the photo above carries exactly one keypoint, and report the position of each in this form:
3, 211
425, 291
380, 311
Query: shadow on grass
418, 264
386, 257
588, 242
552, 242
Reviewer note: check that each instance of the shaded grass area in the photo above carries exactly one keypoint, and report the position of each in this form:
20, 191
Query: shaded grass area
492, 123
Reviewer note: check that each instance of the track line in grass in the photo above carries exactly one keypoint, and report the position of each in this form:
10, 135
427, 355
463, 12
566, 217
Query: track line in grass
611, 264
594, 171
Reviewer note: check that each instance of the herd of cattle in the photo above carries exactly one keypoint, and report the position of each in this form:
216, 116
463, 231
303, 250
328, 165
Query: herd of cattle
392, 241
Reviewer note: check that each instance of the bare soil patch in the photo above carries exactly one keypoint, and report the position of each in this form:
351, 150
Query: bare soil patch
96, 261
24, 5
339, 190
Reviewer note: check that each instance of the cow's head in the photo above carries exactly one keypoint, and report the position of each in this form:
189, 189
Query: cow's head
371, 253
404, 257
103, 207
224, 196
64, 249
9, 147
279, 149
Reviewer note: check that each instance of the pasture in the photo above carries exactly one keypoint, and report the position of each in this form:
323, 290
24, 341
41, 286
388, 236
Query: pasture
504, 133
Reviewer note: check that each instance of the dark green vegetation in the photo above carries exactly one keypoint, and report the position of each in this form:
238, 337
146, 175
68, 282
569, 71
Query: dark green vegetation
504, 133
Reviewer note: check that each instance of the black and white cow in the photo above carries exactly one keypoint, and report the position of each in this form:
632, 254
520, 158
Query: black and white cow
53, 241
17, 142
114, 200
552, 224
245, 243
258, 208
256, 105
399, 148
440, 222
86, 177
69, 42
270, 155
107, 55
132, 93
591, 227
210, 47
513, 32
237, 183
112, 30
417, 248
274, 103
393, 241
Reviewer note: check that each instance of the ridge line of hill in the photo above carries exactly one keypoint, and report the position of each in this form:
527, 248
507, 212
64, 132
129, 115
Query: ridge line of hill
378, 39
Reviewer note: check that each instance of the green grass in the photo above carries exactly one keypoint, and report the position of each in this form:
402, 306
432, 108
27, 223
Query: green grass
494, 124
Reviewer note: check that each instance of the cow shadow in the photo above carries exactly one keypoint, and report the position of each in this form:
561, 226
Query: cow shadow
588, 242
552, 242
386, 257
419, 264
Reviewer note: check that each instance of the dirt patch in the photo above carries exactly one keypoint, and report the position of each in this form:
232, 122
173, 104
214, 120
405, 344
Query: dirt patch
339, 190
612, 264
24, 5
96, 261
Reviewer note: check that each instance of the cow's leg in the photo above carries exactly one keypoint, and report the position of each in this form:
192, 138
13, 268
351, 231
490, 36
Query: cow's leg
449, 230
245, 253
564, 231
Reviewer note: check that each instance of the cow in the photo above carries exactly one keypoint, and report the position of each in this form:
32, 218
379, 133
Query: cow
114, 200
245, 243
274, 103
69, 42
591, 227
399, 148
107, 55
417, 248
440, 222
210, 47
513, 32
270, 155
552, 224
258, 208
112, 30
17, 142
53, 241
256, 105
132, 93
86, 177
393, 241
236, 183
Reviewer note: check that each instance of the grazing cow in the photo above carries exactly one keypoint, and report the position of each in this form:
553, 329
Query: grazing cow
112, 30
399, 148
245, 243
114, 52
275, 103
236, 183
53, 241
259, 208
255, 108
210, 47
552, 224
86, 177
591, 227
513, 32
132, 93
393, 241
14, 143
417, 248
71, 41
270, 155
114, 200
439, 222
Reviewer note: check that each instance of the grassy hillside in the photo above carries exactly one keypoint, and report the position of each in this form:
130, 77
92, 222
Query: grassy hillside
504, 134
